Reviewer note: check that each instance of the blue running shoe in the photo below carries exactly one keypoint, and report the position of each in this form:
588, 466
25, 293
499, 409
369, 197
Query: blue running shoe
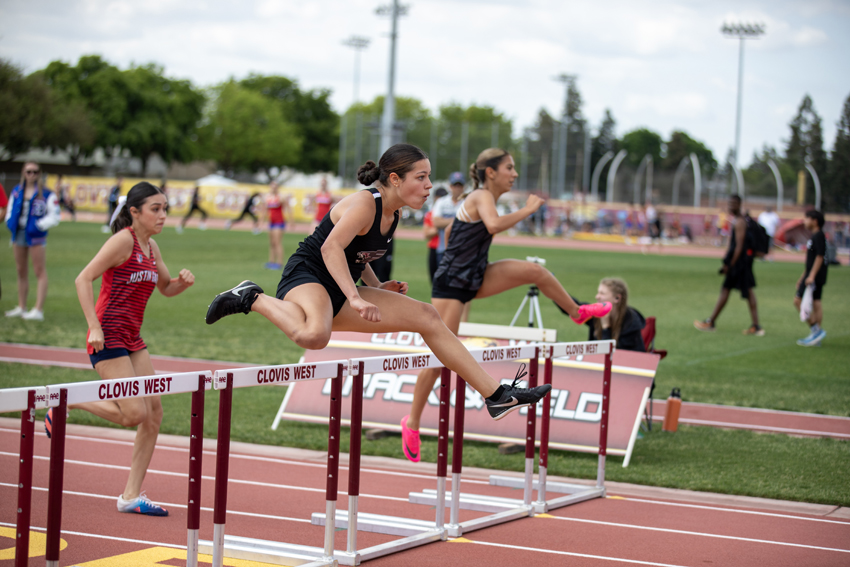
819, 336
812, 339
140, 505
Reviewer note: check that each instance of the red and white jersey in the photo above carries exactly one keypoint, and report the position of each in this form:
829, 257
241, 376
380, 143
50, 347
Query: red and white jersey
124, 294
274, 205
323, 204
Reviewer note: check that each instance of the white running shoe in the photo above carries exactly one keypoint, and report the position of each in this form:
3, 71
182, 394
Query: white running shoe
202, 225
33, 315
179, 229
16, 312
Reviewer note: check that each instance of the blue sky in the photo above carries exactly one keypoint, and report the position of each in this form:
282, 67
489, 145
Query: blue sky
663, 65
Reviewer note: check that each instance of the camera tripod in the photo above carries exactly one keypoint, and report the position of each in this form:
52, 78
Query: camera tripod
532, 298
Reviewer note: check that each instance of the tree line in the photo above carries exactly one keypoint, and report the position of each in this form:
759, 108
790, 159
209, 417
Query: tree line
262, 123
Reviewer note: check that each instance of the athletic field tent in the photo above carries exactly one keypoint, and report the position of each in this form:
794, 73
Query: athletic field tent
215, 180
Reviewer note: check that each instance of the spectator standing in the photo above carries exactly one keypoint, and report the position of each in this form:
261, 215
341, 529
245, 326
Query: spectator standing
324, 201
770, 221
195, 206
275, 209
445, 209
813, 275
738, 271
4, 202
112, 203
432, 235
33, 210
64, 197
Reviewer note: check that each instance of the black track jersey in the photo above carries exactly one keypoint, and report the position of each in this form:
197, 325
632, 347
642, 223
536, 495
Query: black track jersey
362, 250
465, 258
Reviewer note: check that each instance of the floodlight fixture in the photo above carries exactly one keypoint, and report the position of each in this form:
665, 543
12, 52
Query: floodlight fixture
568, 81
741, 31
357, 43
393, 10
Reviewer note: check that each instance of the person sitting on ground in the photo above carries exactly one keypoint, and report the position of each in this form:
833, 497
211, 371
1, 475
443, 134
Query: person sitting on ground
623, 323
317, 293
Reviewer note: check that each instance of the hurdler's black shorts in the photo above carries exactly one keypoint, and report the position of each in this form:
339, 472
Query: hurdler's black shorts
296, 272
441, 290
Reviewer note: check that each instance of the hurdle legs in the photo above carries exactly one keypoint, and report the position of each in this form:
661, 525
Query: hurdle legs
354, 460
22, 531
443, 445
333, 463
530, 432
196, 452
540, 506
57, 477
603, 427
222, 465
457, 458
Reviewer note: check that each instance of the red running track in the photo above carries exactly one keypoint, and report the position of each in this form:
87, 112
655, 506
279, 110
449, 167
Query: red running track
273, 492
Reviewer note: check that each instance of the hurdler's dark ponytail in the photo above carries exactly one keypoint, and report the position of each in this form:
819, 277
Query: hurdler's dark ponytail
398, 159
135, 198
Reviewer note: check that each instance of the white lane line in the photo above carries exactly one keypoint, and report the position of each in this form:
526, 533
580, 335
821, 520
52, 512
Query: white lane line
569, 553
752, 427
166, 504
124, 539
700, 534
254, 458
38, 362
718, 509
212, 479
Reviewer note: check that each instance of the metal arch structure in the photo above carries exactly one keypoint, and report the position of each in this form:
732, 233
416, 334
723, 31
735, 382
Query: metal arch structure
612, 175
739, 178
678, 177
816, 180
697, 179
645, 164
597, 171
780, 190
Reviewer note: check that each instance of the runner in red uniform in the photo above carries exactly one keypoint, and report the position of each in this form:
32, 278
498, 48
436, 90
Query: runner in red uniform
275, 206
132, 266
324, 200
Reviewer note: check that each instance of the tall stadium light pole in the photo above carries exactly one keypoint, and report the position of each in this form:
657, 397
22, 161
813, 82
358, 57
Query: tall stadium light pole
393, 10
562, 150
741, 32
358, 44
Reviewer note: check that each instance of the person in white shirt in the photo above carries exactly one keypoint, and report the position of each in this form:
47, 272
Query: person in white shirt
770, 221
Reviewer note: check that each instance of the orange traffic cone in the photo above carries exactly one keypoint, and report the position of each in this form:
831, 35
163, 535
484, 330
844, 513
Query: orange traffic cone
671, 412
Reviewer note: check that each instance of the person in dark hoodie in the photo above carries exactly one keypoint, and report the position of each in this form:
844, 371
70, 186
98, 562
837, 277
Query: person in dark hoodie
622, 323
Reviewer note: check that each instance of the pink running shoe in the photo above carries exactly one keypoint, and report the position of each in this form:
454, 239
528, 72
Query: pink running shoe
586, 312
409, 441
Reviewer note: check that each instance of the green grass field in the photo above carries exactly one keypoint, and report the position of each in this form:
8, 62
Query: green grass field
724, 367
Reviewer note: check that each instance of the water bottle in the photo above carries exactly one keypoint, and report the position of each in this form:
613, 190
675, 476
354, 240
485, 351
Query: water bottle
671, 412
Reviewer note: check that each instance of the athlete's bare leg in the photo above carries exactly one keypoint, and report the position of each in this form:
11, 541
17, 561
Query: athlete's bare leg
508, 274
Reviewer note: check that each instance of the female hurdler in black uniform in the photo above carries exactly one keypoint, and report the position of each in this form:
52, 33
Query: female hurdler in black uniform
317, 293
465, 272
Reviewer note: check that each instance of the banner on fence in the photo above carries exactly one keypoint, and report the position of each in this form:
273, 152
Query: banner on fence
575, 407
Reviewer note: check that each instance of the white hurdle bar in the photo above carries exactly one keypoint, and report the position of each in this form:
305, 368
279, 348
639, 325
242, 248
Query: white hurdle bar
246, 548
59, 397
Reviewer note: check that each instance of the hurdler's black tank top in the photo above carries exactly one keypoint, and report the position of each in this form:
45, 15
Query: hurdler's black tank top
362, 250
466, 255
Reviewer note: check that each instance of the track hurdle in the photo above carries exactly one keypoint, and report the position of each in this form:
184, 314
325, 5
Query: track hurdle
575, 493
507, 509
59, 397
26, 401
253, 549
